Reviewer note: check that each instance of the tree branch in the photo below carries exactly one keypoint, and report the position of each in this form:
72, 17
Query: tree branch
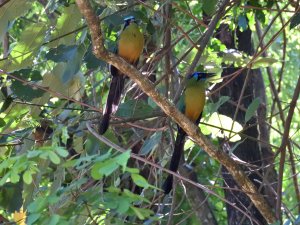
284, 144
191, 129
202, 42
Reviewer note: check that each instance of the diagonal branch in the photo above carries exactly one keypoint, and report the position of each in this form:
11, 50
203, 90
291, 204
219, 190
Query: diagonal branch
191, 129
284, 143
202, 42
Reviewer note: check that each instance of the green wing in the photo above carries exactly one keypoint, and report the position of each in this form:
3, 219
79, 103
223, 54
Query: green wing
181, 104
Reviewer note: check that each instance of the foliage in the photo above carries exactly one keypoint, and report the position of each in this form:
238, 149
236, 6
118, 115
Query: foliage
57, 172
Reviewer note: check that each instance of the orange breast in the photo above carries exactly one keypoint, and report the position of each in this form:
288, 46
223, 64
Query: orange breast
131, 43
194, 102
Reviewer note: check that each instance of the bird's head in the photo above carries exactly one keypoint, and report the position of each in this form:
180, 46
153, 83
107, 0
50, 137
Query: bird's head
128, 20
201, 76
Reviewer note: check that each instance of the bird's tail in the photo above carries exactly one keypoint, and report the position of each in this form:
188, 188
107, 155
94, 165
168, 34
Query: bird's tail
112, 102
174, 164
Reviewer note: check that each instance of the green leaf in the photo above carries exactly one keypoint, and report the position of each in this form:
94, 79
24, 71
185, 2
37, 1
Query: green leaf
61, 151
83, 162
139, 180
53, 157
64, 135
54, 219
73, 65
122, 159
138, 213
5, 164
222, 127
14, 177
113, 189
91, 61
70, 163
69, 20
261, 16
114, 20
33, 153
123, 204
52, 199
7, 102
232, 56
105, 168
27, 177
150, 27
29, 74
27, 48
62, 53
132, 170
206, 130
263, 62
134, 108
54, 79
151, 143
295, 21
24, 91
209, 6
103, 157
38, 205
110, 200
33, 217
44, 155
10, 11
4, 179
213, 107
2, 122
141, 213
252, 109
92, 145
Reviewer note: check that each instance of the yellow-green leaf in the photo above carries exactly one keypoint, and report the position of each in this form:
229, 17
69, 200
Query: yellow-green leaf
11, 10
222, 125
27, 177
252, 109
139, 180
68, 21
26, 49
263, 62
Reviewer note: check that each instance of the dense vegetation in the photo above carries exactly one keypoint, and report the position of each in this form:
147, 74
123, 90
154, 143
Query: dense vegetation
56, 169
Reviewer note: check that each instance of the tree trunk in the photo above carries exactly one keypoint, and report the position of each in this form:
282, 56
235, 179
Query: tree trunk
244, 88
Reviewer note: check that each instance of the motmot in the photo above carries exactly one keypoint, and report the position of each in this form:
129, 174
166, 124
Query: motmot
191, 104
130, 47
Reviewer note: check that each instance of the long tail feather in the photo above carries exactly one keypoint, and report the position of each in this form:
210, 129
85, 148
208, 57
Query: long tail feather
112, 102
174, 164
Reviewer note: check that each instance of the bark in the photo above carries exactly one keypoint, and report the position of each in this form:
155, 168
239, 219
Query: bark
243, 90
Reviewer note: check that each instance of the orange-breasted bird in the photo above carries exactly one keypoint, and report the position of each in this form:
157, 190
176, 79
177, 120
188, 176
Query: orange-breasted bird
130, 47
191, 103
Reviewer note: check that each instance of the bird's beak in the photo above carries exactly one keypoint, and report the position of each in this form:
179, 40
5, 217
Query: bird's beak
209, 75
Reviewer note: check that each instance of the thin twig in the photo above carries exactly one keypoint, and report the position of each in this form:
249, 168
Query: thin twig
283, 145
203, 41
135, 156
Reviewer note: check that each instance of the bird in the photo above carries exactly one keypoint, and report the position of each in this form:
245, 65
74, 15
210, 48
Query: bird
130, 47
191, 104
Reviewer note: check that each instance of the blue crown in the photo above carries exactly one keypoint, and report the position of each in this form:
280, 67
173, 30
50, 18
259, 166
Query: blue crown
129, 18
201, 75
